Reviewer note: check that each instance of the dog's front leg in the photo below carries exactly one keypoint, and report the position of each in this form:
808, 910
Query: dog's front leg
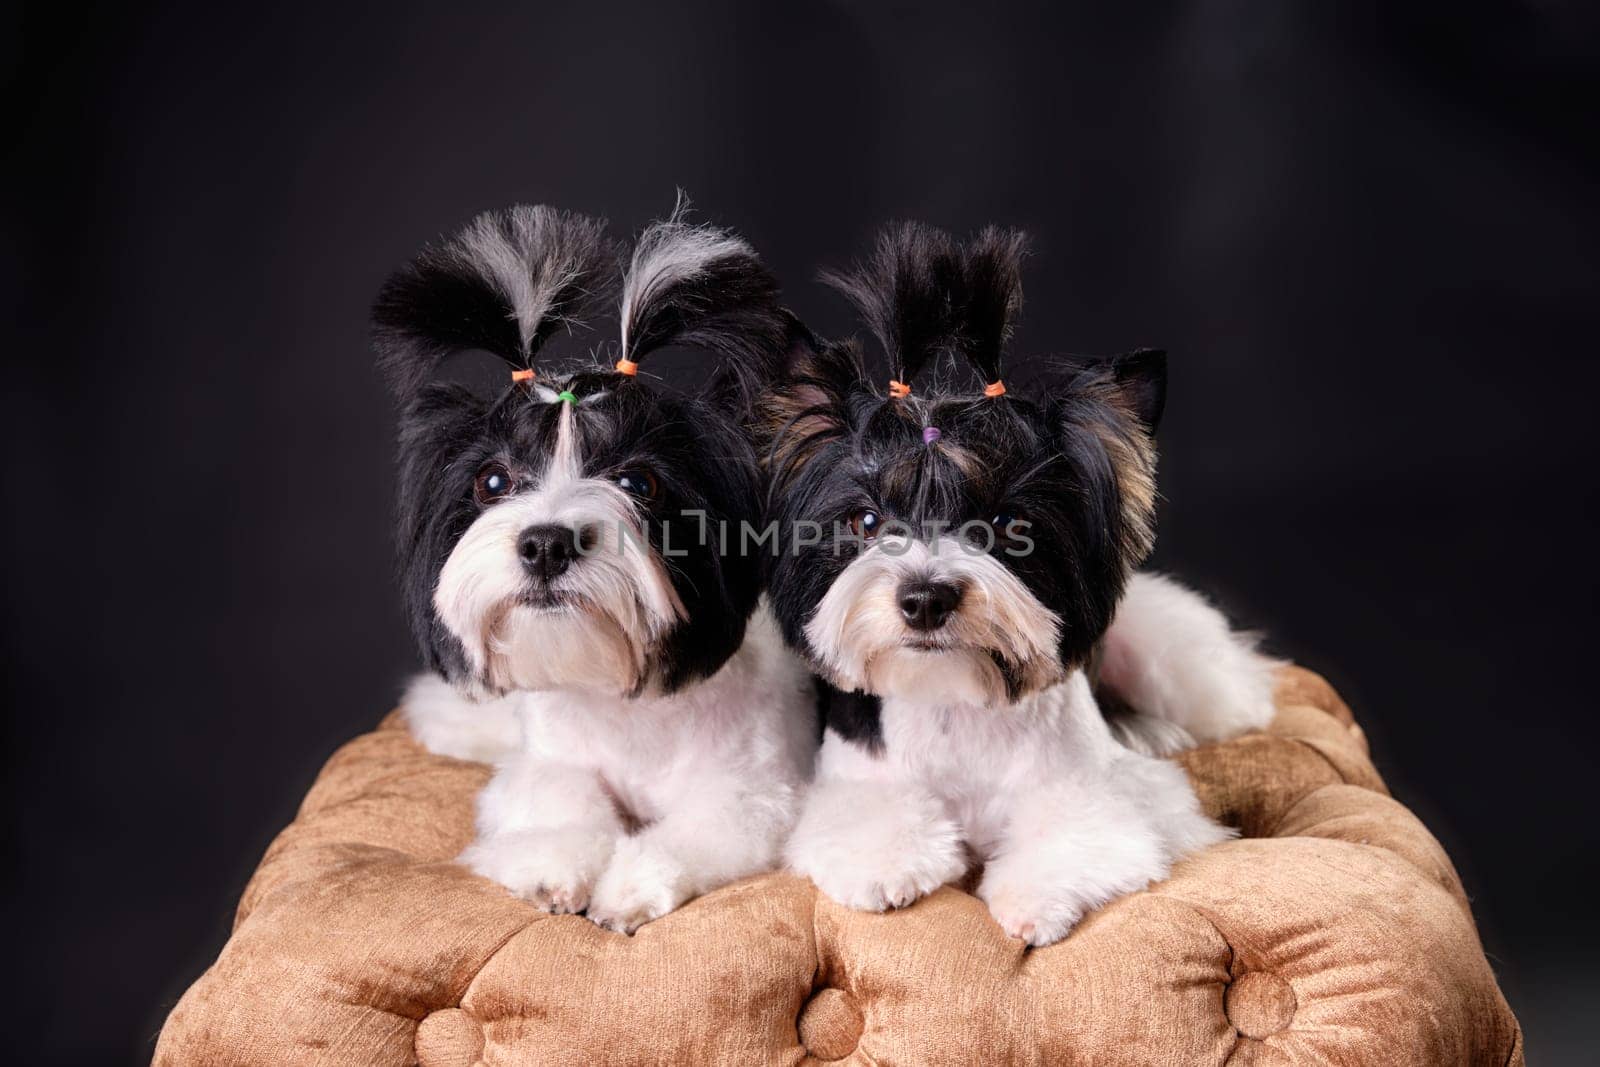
545, 832
1073, 846
718, 831
1065, 852
869, 840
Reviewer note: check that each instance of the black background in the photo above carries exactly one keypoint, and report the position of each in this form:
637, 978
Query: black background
1367, 234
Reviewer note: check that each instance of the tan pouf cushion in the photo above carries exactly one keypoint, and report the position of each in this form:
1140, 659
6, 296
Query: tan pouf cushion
1334, 931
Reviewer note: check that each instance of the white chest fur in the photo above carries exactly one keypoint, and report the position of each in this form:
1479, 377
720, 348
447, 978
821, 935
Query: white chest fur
714, 771
975, 758
753, 719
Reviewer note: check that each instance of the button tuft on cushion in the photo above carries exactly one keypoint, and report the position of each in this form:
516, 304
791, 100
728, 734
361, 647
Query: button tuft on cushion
449, 1038
830, 1024
1259, 1004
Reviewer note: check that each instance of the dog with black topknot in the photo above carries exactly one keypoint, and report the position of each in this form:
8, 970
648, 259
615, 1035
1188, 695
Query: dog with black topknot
584, 631
975, 581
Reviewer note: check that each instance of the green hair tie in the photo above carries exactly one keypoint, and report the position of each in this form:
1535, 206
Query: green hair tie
566, 394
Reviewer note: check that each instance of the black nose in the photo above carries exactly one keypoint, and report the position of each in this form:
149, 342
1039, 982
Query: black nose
926, 605
547, 550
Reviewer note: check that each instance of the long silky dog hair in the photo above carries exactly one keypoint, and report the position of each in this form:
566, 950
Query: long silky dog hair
1049, 493
551, 534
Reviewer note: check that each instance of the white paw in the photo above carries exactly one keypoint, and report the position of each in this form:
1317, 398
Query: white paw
641, 883
1034, 917
554, 870
1039, 897
879, 857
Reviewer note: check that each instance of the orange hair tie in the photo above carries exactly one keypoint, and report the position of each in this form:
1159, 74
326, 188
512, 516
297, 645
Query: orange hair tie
995, 388
898, 389
628, 367
524, 375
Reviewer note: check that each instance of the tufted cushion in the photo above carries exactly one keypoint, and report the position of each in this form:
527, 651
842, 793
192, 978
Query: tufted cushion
1334, 931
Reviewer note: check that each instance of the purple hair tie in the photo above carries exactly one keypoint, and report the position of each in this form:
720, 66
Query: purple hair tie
930, 434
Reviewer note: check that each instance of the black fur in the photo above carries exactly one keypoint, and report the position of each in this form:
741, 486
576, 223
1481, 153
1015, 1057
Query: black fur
991, 296
695, 446
854, 716
449, 299
1075, 459
906, 294
1142, 375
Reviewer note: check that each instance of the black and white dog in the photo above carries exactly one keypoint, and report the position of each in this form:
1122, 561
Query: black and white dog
977, 546
585, 632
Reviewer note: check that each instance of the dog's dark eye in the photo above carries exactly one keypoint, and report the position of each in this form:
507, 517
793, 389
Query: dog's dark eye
492, 483
641, 484
864, 524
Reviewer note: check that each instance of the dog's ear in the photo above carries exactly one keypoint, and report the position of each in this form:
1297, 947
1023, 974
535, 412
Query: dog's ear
704, 287
1102, 413
1141, 379
503, 284
811, 405
908, 296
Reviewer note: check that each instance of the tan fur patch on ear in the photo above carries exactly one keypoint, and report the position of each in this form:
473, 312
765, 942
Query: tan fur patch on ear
799, 416
1133, 457
797, 420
